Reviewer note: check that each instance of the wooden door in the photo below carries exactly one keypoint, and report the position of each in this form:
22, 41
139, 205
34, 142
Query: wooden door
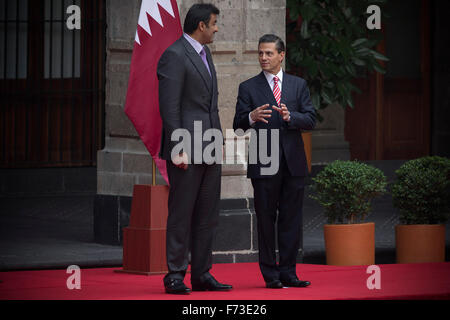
51, 83
406, 107
391, 119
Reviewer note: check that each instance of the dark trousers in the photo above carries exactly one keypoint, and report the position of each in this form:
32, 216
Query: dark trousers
194, 197
283, 193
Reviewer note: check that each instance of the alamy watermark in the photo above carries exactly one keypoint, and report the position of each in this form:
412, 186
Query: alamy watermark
208, 147
74, 281
374, 20
374, 281
74, 20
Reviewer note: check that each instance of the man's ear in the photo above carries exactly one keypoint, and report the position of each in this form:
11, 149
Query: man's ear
201, 26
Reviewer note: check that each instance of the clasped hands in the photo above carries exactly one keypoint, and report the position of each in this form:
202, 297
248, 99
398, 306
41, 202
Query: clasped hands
261, 113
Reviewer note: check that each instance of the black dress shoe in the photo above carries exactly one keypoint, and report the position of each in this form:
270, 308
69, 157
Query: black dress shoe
176, 286
295, 283
276, 284
209, 284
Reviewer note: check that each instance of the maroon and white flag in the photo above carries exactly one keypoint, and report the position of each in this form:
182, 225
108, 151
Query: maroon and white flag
159, 26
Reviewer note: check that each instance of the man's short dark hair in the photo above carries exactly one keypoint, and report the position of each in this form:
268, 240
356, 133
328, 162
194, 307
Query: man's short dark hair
196, 14
271, 38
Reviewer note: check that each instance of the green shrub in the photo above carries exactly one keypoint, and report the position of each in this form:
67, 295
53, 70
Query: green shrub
421, 191
345, 189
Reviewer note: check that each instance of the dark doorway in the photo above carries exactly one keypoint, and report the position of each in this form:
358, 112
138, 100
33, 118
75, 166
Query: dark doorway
51, 83
391, 119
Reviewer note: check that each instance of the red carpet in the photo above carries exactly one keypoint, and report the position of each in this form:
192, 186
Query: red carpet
398, 281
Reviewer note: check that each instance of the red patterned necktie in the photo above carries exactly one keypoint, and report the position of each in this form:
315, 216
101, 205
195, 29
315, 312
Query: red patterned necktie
276, 90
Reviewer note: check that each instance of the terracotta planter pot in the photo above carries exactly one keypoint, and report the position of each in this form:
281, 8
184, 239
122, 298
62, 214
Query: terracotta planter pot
420, 243
350, 244
306, 136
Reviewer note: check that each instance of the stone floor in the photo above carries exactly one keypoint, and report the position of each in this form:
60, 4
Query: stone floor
51, 232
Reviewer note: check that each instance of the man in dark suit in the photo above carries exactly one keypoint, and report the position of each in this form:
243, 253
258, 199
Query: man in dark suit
188, 94
277, 101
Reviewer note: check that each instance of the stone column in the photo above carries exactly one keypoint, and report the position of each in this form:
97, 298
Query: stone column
124, 161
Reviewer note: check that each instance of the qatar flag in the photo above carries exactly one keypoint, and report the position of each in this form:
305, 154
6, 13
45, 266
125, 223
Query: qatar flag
159, 26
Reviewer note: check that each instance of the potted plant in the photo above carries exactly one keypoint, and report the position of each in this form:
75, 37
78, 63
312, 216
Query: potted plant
421, 193
345, 190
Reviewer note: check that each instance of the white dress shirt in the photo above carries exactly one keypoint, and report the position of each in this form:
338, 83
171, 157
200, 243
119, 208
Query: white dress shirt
194, 43
269, 77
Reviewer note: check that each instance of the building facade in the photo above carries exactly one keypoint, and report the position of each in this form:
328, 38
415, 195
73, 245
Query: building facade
63, 93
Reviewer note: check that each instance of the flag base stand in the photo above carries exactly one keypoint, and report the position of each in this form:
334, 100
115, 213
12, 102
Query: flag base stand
144, 240
139, 273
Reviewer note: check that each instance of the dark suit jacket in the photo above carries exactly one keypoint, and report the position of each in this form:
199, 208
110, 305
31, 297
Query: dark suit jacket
256, 92
187, 93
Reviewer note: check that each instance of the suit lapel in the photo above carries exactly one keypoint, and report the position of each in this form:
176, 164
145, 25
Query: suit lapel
198, 64
286, 87
212, 69
264, 88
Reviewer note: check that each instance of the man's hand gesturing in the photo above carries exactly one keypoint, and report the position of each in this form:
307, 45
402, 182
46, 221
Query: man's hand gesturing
284, 112
261, 113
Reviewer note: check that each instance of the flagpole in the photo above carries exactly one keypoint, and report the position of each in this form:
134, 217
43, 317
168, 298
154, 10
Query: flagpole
153, 173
